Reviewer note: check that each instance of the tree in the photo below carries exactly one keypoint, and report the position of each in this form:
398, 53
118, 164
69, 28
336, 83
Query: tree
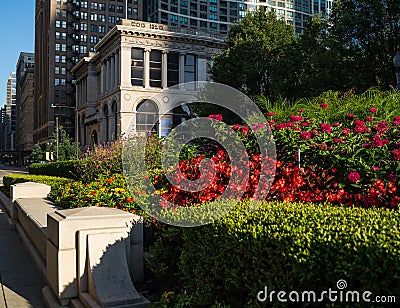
38, 153
66, 147
252, 59
369, 30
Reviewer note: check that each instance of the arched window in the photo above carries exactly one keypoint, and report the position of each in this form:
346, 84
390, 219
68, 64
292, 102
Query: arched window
94, 140
115, 120
147, 117
83, 139
106, 124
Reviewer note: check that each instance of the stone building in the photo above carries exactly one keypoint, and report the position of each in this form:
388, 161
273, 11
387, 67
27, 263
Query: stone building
24, 102
134, 62
24, 136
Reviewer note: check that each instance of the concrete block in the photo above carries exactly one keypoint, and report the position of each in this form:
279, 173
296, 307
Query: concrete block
27, 190
88, 255
61, 272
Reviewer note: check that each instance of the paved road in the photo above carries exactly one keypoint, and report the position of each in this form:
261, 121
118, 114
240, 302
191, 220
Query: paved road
9, 169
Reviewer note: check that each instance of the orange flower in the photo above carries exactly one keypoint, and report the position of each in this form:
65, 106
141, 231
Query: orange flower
130, 200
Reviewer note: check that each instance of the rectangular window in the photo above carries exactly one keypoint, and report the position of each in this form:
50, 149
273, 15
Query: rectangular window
83, 38
137, 57
93, 28
57, 70
94, 5
64, 47
120, 9
63, 36
93, 39
58, 23
111, 19
83, 26
190, 69
63, 59
102, 17
173, 68
84, 4
111, 8
58, 35
155, 68
62, 81
63, 71
102, 7
57, 58
57, 47
93, 16
64, 25
102, 29
56, 81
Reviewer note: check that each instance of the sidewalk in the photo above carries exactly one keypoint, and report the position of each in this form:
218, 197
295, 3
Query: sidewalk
20, 281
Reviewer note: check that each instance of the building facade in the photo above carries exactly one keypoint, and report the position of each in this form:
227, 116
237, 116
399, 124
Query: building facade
133, 63
294, 12
65, 31
213, 16
24, 102
10, 113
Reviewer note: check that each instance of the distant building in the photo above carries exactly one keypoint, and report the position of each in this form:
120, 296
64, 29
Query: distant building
132, 63
24, 102
214, 16
3, 119
293, 12
10, 116
65, 31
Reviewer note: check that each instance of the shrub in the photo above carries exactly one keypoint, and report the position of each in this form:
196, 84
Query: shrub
65, 168
290, 246
106, 190
103, 159
56, 183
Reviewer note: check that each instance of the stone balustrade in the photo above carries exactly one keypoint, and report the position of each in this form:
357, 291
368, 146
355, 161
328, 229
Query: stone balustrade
89, 256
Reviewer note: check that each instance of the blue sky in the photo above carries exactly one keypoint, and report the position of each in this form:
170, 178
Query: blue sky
17, 24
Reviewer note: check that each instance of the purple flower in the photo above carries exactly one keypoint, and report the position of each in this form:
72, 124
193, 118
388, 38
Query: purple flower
369, 119
336, 124
338, 140
324, 106
325, 128
353, 177
304, 124
373, 110
346, 131
391, 177
375, 168
296, 118
271, 114
305, 136
350, 116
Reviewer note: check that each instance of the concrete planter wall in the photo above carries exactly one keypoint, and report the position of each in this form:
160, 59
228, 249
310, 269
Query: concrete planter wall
89, 256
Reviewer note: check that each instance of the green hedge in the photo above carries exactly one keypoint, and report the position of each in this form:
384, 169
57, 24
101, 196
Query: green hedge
286, 246
65, 169
56, 183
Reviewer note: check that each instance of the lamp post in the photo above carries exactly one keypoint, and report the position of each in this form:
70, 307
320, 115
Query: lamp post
396, 63
76, 130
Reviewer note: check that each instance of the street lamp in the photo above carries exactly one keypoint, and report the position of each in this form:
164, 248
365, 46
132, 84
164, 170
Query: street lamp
76, 129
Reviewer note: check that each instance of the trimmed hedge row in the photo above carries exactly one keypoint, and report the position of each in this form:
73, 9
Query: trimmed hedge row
285, 247
56, 183
66, 169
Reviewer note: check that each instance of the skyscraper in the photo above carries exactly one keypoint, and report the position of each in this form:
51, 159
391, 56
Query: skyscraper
24, 101
10, 120
65, 31
207, 15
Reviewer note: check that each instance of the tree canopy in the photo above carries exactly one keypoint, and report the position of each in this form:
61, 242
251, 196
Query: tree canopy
353, 47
